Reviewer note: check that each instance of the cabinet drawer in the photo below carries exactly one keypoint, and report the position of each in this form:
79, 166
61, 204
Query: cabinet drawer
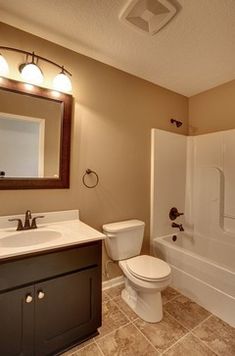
18, 272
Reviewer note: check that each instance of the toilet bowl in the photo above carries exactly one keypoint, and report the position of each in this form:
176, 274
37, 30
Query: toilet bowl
145, 276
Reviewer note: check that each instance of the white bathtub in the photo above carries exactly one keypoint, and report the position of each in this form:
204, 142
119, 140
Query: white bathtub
203, 269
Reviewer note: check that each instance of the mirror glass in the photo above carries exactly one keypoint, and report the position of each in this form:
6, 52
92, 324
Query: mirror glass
35, 131
30, 131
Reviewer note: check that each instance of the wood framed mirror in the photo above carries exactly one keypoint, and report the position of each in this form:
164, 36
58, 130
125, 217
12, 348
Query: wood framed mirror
35, 135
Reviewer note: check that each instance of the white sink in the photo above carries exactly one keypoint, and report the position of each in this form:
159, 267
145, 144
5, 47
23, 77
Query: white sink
29, 238
59, 229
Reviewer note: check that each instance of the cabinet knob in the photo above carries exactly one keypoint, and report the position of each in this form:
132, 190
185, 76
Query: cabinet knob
28, 298
41, 295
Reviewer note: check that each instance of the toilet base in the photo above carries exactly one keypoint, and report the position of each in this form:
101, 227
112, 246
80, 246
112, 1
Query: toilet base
147, 305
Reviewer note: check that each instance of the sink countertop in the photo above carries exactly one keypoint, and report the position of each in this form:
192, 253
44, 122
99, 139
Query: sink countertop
72, 232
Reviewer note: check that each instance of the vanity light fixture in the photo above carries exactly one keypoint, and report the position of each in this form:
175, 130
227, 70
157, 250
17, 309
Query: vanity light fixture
62, 82
32, 73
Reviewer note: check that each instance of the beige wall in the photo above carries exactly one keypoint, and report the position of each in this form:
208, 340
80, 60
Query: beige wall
212, 110
113, 115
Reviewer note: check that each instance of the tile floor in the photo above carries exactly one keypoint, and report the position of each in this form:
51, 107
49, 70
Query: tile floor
186, 330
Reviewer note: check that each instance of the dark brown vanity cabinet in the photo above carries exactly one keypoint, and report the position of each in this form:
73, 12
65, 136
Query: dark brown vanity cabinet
43, 316
68, 309
16, 322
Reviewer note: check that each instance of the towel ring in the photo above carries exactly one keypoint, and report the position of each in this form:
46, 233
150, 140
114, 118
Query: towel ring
89, 171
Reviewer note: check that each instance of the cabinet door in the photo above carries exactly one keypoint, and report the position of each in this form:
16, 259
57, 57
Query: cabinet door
67, 309
17, 322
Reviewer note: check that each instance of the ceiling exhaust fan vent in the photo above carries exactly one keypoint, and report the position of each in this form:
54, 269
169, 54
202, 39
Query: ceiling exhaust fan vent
149, 15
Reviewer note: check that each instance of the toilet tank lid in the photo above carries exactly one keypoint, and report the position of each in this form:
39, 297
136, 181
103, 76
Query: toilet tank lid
123, 225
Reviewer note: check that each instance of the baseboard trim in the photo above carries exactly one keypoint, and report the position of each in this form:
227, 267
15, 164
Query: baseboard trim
112, 282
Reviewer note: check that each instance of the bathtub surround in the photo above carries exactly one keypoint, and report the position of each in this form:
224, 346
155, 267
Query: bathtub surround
211, 178
202, 258
168, 179
113, 115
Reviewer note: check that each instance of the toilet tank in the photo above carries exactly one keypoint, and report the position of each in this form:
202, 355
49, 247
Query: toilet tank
124, 239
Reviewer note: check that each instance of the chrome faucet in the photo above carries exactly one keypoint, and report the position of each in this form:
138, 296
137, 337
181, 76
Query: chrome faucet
179, 226
28, 225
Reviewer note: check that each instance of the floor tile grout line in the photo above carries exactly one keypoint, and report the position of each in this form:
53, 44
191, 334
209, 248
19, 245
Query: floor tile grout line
160, 353
122, 326
170, 300
191, 331
99, 348
185, 327
197, 337
131, 321
80, 348
188, 333
205, 344
107, 299
195, 327
123, 311
146, 338
177, 341
126, 316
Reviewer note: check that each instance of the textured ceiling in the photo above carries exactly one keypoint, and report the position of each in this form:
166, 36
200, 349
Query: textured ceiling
194, 52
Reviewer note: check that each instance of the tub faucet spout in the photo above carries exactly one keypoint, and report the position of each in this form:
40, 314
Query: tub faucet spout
179, 226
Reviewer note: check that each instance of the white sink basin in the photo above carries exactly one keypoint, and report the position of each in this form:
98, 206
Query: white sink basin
29, 238
59, 229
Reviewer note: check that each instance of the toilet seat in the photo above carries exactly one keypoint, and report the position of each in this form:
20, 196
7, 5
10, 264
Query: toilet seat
148, 268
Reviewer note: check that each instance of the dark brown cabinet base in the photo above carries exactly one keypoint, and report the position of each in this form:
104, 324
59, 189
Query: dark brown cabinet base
49, 314
16, 323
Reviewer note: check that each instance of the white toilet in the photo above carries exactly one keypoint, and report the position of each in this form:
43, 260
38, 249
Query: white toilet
145, 276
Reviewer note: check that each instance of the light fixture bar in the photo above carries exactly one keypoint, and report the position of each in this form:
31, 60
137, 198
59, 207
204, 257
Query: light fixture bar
35, 56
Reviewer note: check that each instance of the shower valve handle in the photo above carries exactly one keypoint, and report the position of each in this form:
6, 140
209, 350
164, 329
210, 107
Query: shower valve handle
174, 214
